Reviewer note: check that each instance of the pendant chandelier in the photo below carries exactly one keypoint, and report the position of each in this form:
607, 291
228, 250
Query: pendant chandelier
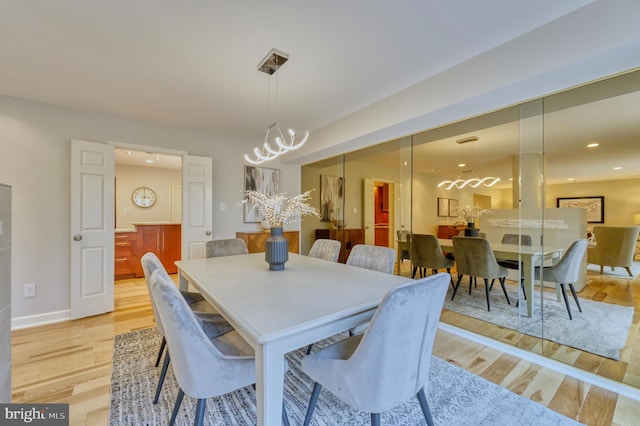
473, 182
269, 65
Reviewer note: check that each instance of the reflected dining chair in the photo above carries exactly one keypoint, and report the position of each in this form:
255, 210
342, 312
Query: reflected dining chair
226, 247
326, 249
474, 257
566, 271
523, 240
389, 363
203, 367
427, 254
212, 323
404, 244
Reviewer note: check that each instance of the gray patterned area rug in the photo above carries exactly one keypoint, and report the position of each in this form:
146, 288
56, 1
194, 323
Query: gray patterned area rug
456, 397
601, 328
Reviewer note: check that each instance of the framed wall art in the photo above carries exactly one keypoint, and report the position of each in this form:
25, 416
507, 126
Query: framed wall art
453, 208
331, 198
261, 179
443, 207
593, 205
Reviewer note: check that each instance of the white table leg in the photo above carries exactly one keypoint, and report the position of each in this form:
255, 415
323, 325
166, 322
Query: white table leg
183, 284
269, 385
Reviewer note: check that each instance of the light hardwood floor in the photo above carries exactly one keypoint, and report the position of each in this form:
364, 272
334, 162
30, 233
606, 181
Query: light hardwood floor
70, 362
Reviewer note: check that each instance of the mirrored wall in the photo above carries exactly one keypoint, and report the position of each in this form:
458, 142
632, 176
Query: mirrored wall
545, 173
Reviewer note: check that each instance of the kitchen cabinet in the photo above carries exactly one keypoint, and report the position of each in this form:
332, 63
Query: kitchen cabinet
126, 255
255, 240
164, 241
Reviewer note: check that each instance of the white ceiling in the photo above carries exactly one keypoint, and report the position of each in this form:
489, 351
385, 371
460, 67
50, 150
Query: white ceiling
193, 62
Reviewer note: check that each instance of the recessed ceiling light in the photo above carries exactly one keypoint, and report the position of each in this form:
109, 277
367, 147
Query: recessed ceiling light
572, 179
593, 145
511, 179
461, 164
129, 153
617, 168
148, 161
157, 158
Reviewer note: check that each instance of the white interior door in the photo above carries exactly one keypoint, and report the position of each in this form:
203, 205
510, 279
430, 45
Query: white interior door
92, 228
368, 212
197, 202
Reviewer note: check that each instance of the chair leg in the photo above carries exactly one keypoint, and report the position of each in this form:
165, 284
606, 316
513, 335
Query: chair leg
176, 407
455, 289
162, 345
317, 387
470, 282
452, 284
628, 271
575, 296
375, 419
566, 301
504, 290
425, 407
413, 273
486, 290
308, 349
163, 373
199, 420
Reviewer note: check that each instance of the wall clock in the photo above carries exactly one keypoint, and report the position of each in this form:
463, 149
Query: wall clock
143, 197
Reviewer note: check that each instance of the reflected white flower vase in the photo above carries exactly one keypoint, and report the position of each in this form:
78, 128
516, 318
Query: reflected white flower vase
470, 230
276, 250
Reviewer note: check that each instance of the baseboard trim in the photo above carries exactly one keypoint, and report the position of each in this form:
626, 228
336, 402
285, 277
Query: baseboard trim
29, 321
543, 361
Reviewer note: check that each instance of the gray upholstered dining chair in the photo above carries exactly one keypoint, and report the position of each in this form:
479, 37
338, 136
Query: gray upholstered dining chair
226, 247
474, 257
566, 271
376, 258
427, 254
212, 323
203, 367
326, 249
389, 363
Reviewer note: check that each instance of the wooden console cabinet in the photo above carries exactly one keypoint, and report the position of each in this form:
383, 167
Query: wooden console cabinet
449, 231
348, 238
255, 240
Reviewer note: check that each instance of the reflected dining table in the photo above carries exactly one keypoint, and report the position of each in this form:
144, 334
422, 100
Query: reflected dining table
280, 311
529, 256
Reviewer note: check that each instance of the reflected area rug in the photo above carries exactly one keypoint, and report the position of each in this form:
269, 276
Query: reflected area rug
601, 328
456, 397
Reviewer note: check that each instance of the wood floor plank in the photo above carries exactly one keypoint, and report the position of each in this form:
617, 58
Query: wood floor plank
598, 407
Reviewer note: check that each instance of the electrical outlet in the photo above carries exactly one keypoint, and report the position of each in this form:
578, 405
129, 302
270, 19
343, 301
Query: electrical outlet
29, 290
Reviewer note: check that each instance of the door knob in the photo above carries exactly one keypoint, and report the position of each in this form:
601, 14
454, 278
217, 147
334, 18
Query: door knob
208, 233
77, 237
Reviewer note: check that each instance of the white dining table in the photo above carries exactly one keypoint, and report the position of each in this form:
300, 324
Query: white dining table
529, 256
280, 311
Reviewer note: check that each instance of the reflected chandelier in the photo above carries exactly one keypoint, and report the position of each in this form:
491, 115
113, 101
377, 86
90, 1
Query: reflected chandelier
269, 65
472, 182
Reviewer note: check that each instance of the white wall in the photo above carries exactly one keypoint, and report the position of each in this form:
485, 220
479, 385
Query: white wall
35, 159
128, 178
